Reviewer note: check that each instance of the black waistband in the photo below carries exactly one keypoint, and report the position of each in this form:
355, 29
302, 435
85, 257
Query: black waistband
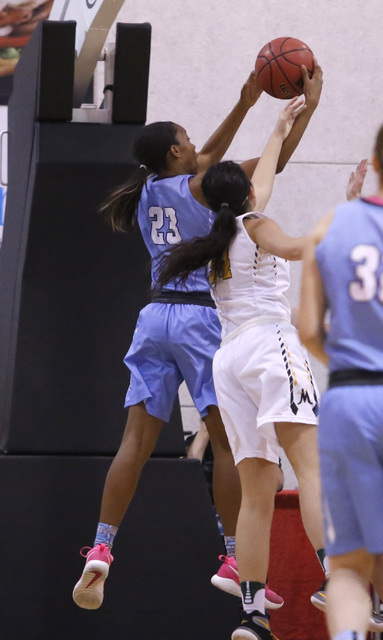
354, 377
201, 298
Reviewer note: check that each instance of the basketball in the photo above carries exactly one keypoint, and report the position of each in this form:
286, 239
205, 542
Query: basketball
278, 67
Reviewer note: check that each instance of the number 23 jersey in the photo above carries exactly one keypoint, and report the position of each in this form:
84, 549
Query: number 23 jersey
168, 213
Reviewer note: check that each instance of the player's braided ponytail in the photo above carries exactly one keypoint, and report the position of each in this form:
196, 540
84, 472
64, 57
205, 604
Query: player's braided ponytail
226, 189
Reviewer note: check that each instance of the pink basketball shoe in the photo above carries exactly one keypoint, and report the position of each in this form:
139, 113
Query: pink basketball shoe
227, 580
89, 590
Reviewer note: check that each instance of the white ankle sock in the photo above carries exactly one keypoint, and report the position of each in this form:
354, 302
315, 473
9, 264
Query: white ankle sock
349, 635
253, 596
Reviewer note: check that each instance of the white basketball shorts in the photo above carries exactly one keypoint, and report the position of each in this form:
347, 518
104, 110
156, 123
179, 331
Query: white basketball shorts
263, 376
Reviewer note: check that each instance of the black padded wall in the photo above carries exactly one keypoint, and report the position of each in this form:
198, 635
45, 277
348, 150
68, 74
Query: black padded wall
82, 287
71, 288
40, 67
165, 553
70, 292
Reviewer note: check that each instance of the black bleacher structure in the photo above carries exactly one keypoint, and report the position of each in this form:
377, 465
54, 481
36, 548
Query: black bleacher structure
70, 292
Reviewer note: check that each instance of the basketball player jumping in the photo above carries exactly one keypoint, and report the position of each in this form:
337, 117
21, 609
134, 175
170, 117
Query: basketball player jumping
164, 199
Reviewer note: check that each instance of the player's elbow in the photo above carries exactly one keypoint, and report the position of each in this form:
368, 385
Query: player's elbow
312, 339
307, 337
295, 251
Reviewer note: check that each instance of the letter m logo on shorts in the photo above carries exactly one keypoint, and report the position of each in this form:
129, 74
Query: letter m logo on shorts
304, 397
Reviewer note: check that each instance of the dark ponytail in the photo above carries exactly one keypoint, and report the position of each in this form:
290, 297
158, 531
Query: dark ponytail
119, 210
150, 149
226, 189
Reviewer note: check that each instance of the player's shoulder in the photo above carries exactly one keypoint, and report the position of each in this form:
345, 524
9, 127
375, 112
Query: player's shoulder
252, 218
322, 226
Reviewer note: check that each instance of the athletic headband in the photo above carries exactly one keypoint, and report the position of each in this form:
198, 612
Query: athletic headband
143, 166
224, 204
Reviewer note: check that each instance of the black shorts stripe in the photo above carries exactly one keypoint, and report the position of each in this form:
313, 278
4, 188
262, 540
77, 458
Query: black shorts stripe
201, 298
354, 377
293, 406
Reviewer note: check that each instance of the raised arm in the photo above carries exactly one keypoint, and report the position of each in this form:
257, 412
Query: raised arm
356, 180
268, 235
218, 143
264, 174
312, 88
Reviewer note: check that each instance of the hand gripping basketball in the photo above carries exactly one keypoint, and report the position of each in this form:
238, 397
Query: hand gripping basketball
278, 67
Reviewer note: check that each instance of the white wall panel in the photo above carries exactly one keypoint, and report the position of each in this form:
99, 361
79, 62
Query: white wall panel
202, 52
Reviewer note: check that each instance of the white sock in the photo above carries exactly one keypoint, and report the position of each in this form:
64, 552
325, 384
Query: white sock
326, 566
349, 635
253, 596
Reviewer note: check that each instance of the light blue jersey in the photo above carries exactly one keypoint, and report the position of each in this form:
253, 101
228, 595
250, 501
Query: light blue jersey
350, 260
350, 417
176, 341
168, 213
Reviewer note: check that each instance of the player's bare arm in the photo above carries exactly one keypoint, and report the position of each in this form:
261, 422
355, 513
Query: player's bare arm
313, 302
264, 174
312, 88
268, 235
218, 143
356, 180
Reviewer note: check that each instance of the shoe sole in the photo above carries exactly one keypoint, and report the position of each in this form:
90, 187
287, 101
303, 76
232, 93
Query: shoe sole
244, 634
230, 586
227, 584
318, 603
88, 593
374, 626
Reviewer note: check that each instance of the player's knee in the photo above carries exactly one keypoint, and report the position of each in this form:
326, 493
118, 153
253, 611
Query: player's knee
137, 446
359, 561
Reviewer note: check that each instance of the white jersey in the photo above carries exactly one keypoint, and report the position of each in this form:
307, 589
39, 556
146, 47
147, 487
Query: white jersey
254, 286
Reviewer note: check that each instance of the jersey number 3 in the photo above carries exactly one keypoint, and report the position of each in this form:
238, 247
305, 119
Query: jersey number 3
368, 284
162, 218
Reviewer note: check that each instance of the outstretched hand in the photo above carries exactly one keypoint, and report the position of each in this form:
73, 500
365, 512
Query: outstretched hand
312, 87
356, 180
251, 90
287, 116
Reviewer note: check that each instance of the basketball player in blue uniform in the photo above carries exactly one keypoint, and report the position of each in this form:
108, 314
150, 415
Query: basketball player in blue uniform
343, 273
178, 333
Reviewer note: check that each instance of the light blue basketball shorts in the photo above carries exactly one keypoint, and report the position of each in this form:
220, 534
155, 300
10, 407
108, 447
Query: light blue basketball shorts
351, 458
173, 343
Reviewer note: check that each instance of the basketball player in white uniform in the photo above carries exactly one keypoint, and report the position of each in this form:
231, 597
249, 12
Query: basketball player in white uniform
265, 390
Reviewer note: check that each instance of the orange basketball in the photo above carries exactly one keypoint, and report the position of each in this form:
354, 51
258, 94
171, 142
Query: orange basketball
278, 67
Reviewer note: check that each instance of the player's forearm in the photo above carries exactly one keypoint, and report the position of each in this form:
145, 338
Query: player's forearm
219, 142
294, 137
313, 304
315, 345
264, 174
